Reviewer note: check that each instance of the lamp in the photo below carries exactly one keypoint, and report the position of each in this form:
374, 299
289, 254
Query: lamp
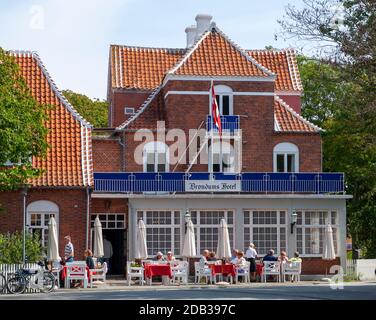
294, 218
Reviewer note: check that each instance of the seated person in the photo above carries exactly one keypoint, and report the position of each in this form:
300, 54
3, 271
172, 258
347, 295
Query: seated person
89, 259
170, 256
234, 256
283, 258
203, 263
212, 256
270, 256
296, 258
240, 262
159, 257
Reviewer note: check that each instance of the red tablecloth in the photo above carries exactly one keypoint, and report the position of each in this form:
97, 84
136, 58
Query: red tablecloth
157, 270
225, 269
64, 273
259, 268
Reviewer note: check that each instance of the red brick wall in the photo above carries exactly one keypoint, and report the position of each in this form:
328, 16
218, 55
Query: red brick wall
100, 206
106, 155
257, 123
318, 265
72, 214
122, 99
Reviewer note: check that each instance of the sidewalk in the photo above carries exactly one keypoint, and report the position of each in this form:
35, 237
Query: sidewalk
121, 285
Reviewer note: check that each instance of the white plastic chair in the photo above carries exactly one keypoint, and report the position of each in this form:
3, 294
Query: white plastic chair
293, 269
180, 272
98, 274
76, 271
272, 268
134, 272
56, 268
203, 272
244, 273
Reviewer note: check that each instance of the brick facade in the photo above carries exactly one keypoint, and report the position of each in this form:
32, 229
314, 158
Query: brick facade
106, 155
187, 111
72, 214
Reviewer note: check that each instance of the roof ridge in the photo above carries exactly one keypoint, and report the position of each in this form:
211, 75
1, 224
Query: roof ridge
196, 44
273, 50
140, 110
60, 96
149, 48
297, 115
296, 80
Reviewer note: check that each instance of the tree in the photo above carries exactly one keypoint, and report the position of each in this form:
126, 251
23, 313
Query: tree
95, 111
22, 129
11, 248
344, 34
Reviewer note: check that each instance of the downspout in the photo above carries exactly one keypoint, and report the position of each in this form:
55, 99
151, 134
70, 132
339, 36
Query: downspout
122, 143
24, 194
87, 216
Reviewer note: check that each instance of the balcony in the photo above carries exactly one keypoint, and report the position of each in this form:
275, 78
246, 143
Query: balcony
251, 182
230, 125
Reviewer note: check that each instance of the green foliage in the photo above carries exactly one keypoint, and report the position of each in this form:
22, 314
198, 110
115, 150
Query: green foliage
22, 130
11, 248
341, 96
95, 111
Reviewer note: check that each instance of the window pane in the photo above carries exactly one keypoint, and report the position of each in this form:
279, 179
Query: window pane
225, 105
291, 163
280, 162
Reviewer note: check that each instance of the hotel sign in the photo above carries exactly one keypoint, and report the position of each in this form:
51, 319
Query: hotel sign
212, 186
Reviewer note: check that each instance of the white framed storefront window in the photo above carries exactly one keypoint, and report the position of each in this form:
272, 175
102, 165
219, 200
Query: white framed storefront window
38, 215
163, 230
310, 228
207, 224
266, 229
109, 221
286, 157
155, 157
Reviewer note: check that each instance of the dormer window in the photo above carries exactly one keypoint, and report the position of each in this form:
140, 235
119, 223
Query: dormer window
224, 96
129, 110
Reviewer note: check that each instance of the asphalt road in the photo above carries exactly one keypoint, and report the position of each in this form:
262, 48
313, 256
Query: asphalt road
301, 292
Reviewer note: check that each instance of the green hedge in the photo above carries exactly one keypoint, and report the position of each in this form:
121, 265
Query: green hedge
11, 248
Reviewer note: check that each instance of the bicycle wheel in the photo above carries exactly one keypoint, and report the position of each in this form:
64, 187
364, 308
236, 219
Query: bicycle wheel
3, 284
48, 282
16, 285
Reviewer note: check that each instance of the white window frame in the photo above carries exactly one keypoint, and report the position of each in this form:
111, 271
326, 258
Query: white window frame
285, 149
198, 226
215, 148
278, 225
222, 90
127, 109
156, 147
44, 208
304, 227
142, 214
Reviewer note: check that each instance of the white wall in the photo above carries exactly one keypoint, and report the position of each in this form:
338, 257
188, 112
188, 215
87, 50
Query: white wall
238, 205
366, 269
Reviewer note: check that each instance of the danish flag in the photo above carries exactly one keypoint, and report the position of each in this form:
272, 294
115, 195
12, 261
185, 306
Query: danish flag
215, 111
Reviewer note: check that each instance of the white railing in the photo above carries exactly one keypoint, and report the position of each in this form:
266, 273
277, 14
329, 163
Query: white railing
8, 270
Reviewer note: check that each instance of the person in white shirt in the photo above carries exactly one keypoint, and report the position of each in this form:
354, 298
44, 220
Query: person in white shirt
204, 259
107, 251
251, 255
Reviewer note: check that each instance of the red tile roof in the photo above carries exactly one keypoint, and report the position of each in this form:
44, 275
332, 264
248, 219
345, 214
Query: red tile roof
216, 55
284, 64
287, 120
141, 68
69, 161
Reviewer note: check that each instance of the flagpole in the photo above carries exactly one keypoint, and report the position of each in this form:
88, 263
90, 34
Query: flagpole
211, 130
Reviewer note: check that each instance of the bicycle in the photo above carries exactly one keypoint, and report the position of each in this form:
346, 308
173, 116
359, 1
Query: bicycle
3, 283
22, 279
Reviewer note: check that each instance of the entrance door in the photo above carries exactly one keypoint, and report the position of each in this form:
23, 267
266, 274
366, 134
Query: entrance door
117, 240
113, 229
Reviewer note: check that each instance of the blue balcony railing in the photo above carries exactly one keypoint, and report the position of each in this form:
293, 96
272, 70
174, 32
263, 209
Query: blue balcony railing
252, 182
230, 124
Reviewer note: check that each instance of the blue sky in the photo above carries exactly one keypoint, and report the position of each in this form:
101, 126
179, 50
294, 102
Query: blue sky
73, 36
